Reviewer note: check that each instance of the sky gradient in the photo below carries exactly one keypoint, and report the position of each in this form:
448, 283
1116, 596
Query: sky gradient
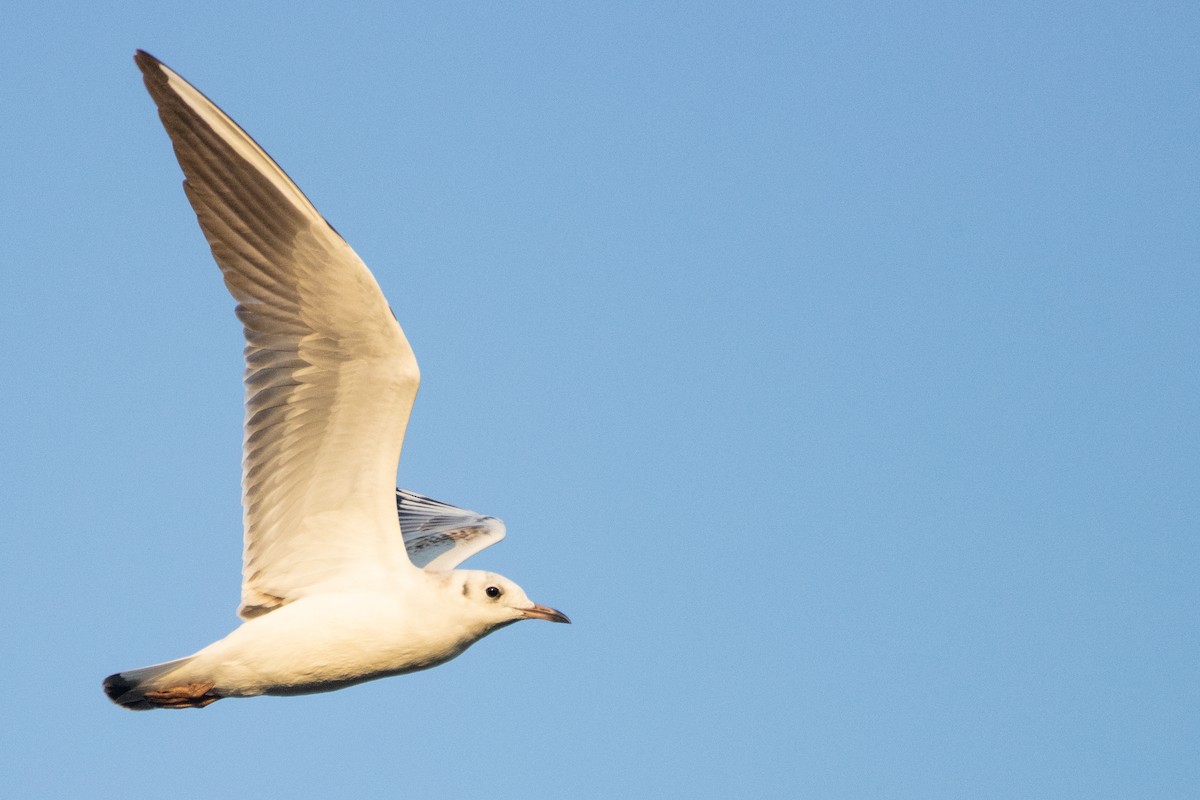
833, 366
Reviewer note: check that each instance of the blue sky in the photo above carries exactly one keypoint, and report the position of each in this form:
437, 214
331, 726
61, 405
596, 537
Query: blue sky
834, 366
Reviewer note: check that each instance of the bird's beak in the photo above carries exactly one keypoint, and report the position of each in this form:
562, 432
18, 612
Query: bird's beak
541, 612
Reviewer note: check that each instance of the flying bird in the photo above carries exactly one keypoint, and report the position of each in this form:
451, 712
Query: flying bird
344, 578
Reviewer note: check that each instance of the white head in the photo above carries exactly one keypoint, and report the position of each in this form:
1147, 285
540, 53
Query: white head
497, 601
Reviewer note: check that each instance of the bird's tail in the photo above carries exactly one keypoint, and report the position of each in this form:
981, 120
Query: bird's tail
151, 687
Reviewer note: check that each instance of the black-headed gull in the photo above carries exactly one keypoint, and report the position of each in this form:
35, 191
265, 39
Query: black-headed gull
345, 579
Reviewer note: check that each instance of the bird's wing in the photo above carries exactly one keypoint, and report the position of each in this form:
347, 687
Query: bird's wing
330, 378
440, 536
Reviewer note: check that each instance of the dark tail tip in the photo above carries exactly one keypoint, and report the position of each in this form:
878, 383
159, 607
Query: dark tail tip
123, 692
115, 686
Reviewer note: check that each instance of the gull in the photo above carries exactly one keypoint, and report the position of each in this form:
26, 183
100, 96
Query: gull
345, 578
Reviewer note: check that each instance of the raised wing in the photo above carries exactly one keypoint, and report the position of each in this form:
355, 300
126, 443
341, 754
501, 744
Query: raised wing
440, 536
330, 378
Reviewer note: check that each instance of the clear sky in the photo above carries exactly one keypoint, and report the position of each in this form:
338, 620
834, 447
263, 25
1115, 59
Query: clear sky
834, 366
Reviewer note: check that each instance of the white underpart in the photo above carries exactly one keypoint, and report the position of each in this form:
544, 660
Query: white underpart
332, 640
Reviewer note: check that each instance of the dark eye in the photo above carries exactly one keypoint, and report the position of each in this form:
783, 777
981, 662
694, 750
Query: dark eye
492, 592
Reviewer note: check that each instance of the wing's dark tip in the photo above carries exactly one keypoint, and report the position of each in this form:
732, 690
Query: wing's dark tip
153, 75
144, 60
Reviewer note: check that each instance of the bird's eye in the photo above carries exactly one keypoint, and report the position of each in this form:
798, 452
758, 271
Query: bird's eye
492, 592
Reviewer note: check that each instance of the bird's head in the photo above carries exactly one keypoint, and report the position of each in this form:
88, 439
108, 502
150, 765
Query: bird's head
500, 601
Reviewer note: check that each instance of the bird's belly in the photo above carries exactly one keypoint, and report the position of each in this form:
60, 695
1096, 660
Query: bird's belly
320, 645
